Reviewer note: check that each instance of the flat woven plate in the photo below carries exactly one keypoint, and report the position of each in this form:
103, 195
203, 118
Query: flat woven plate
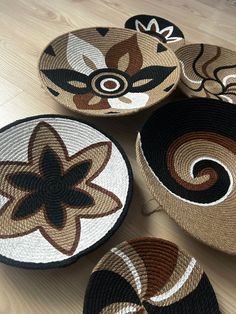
187, 153
65, 187
208, 71
158, 27
149, 275
108, 71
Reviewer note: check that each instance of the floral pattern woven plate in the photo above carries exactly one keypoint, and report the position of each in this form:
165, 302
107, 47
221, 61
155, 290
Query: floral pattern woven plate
208, 71
65, 188
108, 71
158, 27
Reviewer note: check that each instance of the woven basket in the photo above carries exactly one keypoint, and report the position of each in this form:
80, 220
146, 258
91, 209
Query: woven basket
156, 26
208, 71
186, 152
149, 275
108, 71
65, 187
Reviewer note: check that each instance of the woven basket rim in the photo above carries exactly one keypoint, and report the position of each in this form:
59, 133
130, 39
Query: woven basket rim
190, 45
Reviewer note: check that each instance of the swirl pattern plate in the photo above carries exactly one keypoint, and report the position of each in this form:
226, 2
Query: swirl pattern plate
65, 187
108, 71
208, 71
149, 275
187, 154
156, 26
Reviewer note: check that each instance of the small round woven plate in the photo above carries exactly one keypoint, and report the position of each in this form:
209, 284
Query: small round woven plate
158, 27
187, 154
208, 71
149, 275
108, 71
65, 187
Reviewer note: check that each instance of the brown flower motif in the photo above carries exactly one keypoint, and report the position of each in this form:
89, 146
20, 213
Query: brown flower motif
53, 190
116, 80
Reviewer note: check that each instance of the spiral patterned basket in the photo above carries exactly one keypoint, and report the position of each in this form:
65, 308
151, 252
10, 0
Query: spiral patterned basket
108, 71
166, 31
187, 153
65, 187
149, 275
208, 71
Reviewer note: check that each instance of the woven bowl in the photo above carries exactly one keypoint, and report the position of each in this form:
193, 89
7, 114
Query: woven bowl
166, 31
187, 154
149, 275
208, 71
65, 187
108, 71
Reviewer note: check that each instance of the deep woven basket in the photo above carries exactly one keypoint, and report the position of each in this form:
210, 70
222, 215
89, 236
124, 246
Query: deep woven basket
164, 30
186, 152
208, 71
108, 71
149, 275
65, 187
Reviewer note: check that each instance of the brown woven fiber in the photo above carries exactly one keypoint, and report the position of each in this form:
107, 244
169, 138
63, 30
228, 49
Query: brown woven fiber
186, 151
108, 71
166, 31
208, 71
65, 187
149, 275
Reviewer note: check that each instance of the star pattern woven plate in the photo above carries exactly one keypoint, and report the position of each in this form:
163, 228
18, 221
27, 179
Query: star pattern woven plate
149, 275
65, 187
108, 71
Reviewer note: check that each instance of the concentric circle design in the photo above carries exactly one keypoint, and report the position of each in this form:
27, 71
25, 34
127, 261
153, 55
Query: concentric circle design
149, 275
108, 71
65, 187
156, 26
208, 71
109, 83
187, 153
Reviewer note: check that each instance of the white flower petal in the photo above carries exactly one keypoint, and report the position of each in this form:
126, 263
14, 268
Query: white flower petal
78, 50
139, 26
151, 23
173, 39
135, 100
168, 29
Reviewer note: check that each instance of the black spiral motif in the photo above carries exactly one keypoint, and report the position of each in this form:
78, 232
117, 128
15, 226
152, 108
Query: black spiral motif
193, 124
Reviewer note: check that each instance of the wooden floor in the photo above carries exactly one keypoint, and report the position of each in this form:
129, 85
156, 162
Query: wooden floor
26, 26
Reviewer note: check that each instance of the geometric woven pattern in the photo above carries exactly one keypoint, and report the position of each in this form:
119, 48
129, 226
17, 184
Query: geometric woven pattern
149, 275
